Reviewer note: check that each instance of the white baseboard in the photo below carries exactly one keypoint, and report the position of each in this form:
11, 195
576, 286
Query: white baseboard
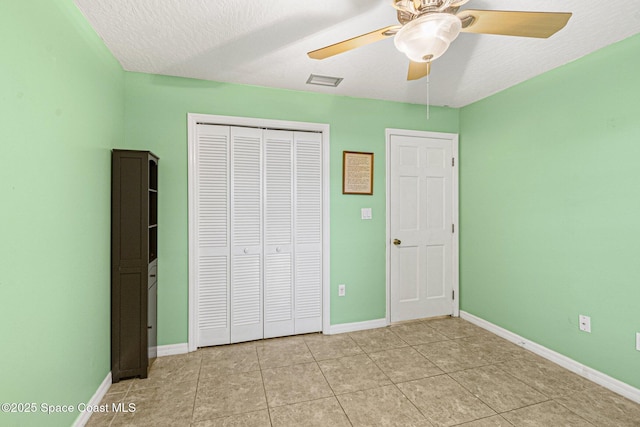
97, 397
591, 374
163, 350
173, 349
356, 326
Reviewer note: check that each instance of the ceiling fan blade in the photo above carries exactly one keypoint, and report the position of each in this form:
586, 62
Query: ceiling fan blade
512, 23
353, 43
418, 70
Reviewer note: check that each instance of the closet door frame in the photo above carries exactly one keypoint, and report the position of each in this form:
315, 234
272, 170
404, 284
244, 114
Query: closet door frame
322, 128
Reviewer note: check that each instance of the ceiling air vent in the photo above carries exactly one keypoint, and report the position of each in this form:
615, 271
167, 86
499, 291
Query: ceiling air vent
323, 80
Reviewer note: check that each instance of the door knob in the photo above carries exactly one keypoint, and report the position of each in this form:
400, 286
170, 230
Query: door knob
397, 242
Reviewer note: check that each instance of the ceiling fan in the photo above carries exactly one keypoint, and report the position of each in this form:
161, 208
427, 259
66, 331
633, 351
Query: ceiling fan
427, 28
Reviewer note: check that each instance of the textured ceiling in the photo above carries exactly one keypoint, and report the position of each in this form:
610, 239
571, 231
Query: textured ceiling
265, 43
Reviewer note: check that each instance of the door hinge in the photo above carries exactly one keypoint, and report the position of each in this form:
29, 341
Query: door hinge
453, 161
453, 295
453, 228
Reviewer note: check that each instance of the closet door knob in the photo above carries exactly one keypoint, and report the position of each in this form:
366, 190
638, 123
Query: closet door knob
246, 250
278, 249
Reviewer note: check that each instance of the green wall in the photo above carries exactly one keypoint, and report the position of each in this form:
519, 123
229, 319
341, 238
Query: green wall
550, 209
156, 119
549, 201
61, 110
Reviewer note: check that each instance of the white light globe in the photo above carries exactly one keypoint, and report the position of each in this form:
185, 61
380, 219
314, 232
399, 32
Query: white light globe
426, 38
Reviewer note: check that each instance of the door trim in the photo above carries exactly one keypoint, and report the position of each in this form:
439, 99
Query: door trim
192, 121
453, 137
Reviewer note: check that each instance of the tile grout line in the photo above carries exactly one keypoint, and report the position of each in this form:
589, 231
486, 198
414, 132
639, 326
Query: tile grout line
548, 399
269, 407
126, 393
458, 339
484, 418
195, 396
335, 396
368, 354
412, 404
264, 389
573, 412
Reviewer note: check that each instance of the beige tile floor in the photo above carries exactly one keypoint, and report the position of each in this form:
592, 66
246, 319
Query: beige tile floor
441, 372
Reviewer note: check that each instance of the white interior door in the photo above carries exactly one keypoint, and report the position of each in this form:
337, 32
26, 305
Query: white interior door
278, 235
421, 226
211, 251
246, 234
308, 231
256, 233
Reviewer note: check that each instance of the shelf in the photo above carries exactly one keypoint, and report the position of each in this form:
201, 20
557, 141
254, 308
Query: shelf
153, 242
153, 175
153, 207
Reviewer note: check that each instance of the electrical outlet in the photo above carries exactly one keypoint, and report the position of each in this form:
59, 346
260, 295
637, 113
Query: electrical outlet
585, 323
341, 290
638, 341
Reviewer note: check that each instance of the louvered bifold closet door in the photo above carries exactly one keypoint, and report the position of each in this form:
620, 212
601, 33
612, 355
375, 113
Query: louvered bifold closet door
308, 232
278, 234
212, 234
246, 234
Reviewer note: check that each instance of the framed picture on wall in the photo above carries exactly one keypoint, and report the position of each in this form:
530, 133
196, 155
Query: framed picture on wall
357, 173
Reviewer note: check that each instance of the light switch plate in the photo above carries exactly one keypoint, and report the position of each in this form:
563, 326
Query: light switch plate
341, 290
638, 341
365, 213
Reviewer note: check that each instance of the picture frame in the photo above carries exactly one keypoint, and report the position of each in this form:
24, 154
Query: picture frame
357, 173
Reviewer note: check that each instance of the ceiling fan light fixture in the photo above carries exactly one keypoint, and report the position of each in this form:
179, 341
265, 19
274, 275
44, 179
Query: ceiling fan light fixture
428, 37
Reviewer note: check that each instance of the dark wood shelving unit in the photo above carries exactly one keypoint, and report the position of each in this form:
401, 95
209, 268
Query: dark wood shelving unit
134, 262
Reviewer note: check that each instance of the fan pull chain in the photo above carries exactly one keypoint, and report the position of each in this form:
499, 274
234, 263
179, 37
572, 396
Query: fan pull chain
428, 90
